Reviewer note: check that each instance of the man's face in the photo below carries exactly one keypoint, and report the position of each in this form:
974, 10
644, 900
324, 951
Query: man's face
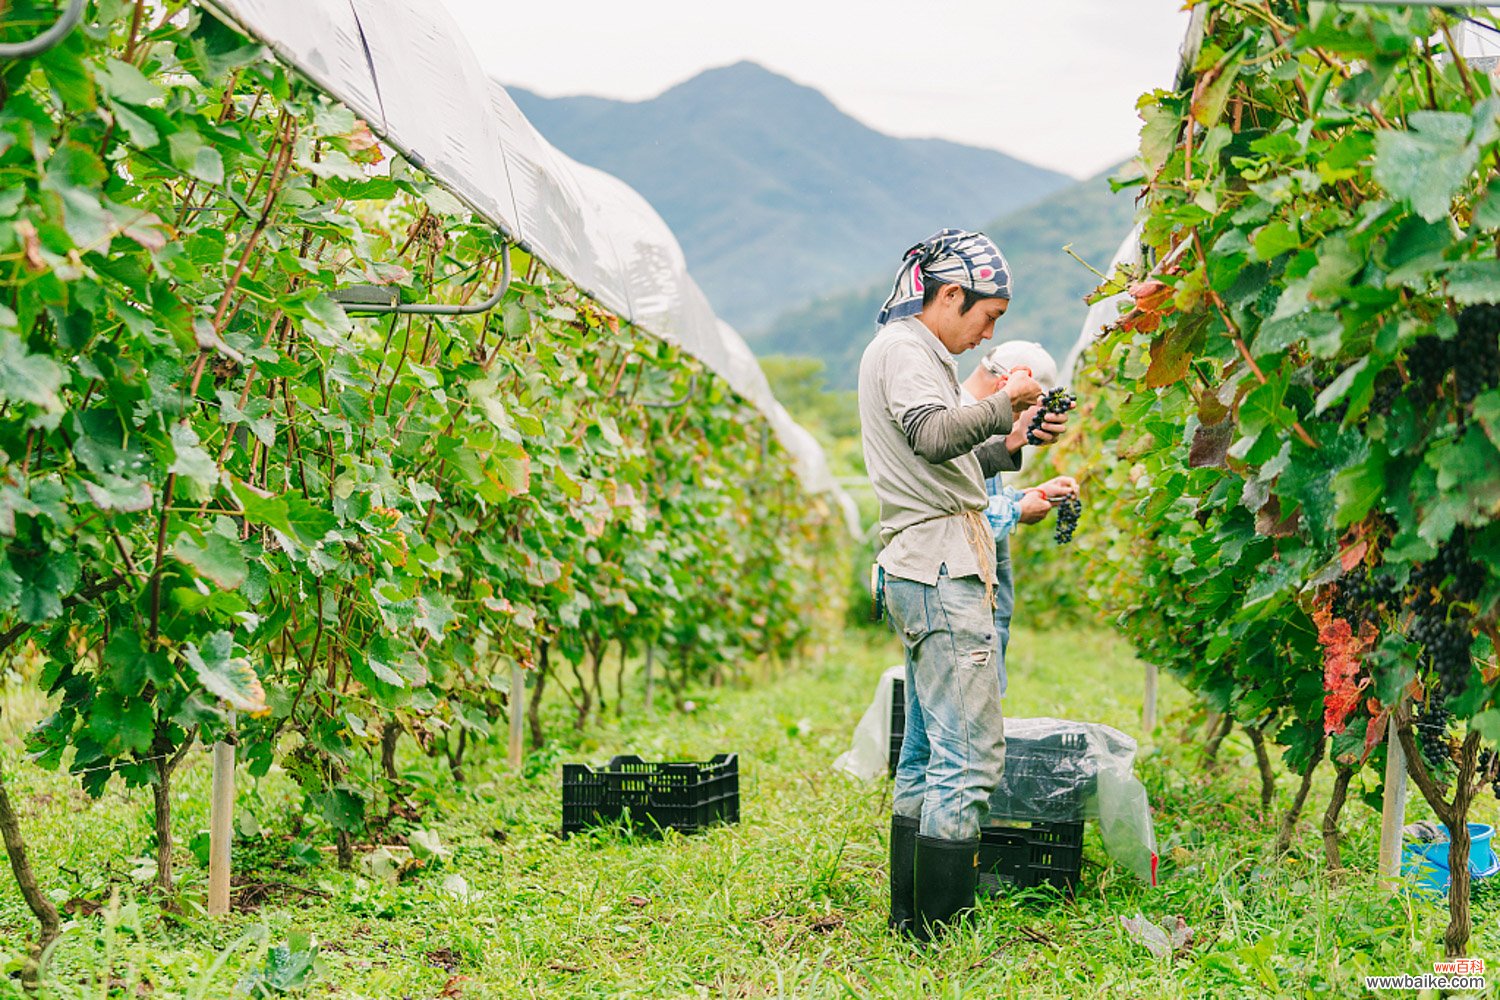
963, 331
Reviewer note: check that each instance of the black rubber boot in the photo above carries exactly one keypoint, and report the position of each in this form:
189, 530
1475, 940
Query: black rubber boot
947, 874
903, 873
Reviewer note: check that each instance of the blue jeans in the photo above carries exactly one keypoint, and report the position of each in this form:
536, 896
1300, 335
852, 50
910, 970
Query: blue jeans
1005, 605
954, 750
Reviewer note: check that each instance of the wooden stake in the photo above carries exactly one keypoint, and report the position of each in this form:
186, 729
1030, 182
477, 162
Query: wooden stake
650, 680
221, 827
517, 711
1148, 709
1393, 810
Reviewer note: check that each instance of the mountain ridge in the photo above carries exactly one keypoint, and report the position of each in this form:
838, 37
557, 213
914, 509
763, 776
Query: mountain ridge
776, 195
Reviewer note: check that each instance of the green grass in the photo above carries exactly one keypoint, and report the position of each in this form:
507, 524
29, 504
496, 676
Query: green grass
791, 902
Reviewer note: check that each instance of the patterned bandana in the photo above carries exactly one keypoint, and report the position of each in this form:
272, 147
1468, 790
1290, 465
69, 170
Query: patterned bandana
949, 257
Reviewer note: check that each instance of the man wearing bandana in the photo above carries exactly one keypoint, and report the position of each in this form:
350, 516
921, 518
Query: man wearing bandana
928, 456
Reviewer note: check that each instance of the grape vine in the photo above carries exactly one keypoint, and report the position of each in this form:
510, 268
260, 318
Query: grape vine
219, 493
1294, 430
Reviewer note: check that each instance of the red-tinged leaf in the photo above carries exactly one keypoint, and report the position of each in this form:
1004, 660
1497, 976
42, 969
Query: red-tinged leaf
1269, 522
363, 146
1343, 652
1173, 350
1374, 733
1353, 555
31, 245
1141, 321
1169, 361
147, 230
1211, 409
1151, 294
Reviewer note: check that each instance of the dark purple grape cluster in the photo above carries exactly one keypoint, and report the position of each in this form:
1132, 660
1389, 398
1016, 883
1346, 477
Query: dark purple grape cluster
1440, 625
1430, 722
1362, 595
1428, 362
1067, 519
1387, 391
1473, 356
1476, 351
1058, 400
1488, 769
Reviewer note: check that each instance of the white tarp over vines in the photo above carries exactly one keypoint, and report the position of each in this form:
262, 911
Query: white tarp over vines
410, 72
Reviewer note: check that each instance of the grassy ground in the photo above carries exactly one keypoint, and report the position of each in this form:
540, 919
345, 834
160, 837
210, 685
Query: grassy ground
789, 903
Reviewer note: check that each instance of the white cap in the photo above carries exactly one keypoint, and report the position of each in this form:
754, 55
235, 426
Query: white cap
1025, 354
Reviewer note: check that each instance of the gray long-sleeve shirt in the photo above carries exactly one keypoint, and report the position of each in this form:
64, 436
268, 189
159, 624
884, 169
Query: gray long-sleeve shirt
919, 452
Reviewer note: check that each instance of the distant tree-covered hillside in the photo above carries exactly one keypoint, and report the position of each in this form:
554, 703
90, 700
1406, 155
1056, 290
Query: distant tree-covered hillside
1049, 285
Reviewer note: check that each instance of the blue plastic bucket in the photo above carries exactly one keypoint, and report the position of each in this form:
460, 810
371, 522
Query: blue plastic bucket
1425, 864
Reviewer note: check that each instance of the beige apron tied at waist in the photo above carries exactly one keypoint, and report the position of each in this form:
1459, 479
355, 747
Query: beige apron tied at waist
977, 533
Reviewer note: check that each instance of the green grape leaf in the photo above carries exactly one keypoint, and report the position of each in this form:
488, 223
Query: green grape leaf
123, 82
342, 808
1428, 165
217, 558
121, 726
45, 581
116, 493
194, 157
194, 467
28, 378
1472, 281
226, 675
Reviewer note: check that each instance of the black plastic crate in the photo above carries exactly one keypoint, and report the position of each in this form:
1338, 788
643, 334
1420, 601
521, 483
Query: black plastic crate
1044, 779
684, 796
898, 721
1026, 856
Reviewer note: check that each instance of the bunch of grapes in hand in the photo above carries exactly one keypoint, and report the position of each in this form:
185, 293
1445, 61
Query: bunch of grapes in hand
1059, 401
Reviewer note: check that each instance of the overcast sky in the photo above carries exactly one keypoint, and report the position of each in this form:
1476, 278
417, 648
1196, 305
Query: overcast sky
1051, 81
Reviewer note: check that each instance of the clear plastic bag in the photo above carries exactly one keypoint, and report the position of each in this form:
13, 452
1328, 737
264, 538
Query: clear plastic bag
868, 756
1056, 770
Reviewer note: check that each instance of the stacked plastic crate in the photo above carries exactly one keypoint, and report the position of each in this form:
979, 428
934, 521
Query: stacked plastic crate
1035, 832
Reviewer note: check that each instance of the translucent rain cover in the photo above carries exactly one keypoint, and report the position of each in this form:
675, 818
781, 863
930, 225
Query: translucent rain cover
1056, 770
410, 72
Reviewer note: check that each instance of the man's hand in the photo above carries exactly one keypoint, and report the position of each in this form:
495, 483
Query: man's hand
1016, 439
1058, 487
1023, 390
1037, 501
1053, 425
1034, 506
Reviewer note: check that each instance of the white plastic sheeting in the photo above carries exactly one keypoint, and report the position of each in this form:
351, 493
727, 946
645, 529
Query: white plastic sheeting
1107, 311
409, 71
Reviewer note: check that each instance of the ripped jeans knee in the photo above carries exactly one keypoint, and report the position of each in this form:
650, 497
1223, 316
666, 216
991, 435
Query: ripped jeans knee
953, 752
